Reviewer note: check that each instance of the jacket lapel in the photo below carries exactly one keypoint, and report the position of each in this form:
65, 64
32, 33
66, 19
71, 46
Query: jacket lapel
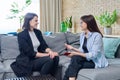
27, 36
37, 35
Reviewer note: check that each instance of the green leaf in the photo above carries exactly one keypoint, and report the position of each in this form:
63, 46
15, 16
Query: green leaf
15, 4
14, 11
28, 2
106, 19
11, 17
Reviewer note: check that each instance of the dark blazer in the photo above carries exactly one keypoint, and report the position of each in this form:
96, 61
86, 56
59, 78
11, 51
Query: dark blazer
23, 64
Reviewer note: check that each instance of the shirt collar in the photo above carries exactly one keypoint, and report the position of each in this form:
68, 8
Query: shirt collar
89, 34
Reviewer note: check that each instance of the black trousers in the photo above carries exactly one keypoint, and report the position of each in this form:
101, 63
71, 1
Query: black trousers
46, 65
77, 63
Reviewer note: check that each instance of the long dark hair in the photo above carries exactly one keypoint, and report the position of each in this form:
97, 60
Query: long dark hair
28, 17
91, 23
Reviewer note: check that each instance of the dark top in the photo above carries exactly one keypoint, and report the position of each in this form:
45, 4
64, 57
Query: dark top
85, 45
23, 64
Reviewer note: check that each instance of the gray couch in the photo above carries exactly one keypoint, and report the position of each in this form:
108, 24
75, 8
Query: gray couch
9, 50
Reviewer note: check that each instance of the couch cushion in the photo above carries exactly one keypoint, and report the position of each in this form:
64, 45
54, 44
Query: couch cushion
73, 39
9, 75
1, 76
82, 78
1, 35
110, 46
9, 48
115, 61
0, 47
56, 42
60, 39
7, 64
1, 58
63, 60
0, 42
109, 73
2, 69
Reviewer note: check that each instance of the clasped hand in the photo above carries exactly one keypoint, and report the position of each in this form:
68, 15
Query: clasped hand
52, 54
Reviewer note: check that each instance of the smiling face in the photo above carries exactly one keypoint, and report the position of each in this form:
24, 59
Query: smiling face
83, 25
34, 23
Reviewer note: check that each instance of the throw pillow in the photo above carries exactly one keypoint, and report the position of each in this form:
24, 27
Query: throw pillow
0, 42
56, 42
9, 48
110, 46
0, 46
73, 39
2, 69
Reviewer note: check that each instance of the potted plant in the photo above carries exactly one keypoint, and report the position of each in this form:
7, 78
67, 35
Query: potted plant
66, 25
63, 27
16, 12
106, 20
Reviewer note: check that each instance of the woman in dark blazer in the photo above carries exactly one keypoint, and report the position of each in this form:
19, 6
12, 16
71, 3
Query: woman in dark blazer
35, 55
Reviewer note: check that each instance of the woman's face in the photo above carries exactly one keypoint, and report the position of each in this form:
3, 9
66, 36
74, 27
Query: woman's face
83, 25
34, 22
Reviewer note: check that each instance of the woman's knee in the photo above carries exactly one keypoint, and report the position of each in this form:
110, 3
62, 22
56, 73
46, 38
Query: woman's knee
56, 58
53, 61
50, 60
77, 59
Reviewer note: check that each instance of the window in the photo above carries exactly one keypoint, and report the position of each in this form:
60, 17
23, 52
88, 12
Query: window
11, 25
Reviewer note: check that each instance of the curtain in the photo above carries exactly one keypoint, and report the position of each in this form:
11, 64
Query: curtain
50, 15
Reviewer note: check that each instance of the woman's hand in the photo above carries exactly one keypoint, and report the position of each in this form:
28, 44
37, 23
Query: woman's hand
73, 53
52, 54
77, 53
68, 46
41, 54
55, 53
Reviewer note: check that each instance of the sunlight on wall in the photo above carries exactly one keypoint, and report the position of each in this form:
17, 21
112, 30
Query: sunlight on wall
11, 25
